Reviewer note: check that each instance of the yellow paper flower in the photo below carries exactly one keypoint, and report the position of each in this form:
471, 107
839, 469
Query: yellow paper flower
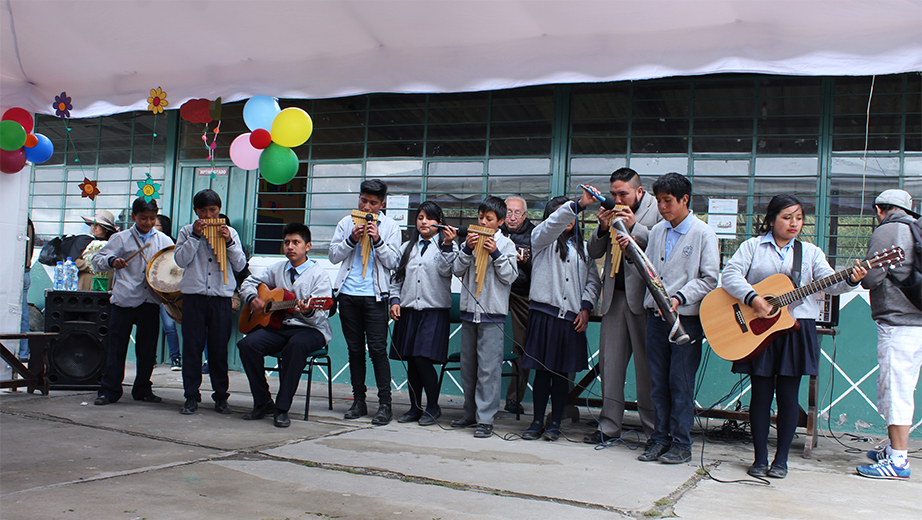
157, 100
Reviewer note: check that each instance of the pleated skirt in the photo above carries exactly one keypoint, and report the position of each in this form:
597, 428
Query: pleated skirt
554, 344
421, 333
793, 354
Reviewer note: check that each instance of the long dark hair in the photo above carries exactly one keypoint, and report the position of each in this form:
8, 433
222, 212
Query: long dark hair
564, 237
775, 206
434, 212
167, 225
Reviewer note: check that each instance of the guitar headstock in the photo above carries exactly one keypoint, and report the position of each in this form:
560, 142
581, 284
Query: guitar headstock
887, 258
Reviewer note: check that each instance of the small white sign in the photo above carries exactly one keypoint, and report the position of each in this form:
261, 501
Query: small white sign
212, 171
398, 208
722, 216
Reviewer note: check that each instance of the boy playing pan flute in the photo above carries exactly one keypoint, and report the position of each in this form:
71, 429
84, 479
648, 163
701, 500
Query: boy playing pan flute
483, 316
207, 295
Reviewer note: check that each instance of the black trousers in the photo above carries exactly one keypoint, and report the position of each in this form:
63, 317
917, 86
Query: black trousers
293, 344
205, 319
364, 320
121, 320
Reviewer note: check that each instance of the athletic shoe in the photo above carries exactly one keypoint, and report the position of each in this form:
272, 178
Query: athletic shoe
176, 365
885, 469
878, 455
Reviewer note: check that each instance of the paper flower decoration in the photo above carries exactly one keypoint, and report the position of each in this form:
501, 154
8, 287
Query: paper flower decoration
157, 101
62, 106
148, 190
88, 189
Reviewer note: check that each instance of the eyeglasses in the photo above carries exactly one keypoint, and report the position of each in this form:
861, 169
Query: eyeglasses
517, 213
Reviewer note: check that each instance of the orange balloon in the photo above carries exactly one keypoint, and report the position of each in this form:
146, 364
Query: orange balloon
31, 141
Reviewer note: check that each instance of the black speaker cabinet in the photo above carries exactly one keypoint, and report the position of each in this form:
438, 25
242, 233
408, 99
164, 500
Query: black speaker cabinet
77, 358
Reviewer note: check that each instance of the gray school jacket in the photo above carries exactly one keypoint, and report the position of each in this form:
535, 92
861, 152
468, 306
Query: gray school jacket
201, 274
313, 282
888, 304
427, 284
502, 270
129, 286
386, 255
558, 286
600, 245
692, 269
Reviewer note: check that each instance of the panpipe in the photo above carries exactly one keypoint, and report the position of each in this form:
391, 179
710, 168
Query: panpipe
480, 254
615, 248
360, 218
217, 242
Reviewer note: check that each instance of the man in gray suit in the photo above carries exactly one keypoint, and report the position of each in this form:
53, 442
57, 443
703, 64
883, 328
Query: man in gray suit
623, 328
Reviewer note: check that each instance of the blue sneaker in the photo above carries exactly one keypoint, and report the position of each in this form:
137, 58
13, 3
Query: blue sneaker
878, 455
885, 469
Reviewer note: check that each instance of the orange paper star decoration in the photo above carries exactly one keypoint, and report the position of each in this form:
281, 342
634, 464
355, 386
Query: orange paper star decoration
88, 189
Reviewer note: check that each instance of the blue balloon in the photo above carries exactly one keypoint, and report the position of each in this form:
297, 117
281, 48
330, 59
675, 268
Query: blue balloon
259, 112
41, 152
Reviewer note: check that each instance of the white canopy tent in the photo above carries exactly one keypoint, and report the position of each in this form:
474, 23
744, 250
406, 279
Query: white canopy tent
107, 55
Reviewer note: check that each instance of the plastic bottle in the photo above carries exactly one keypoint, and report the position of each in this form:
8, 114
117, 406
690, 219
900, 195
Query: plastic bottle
59, 276
70, 275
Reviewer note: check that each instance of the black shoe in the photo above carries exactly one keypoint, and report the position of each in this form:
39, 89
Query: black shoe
280, 419
222, 407
357, 410
383, 415
149, 399
653, 451
483, 431
675, 455
758, 470
513, 406
534, 431
429, 419
777, 472
189, 407
176, 365
463, 423
258, 412
597, 437
102, 401
410, 416
552, 433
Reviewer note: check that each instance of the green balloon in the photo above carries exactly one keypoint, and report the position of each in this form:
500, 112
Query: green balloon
278, 164
12, 135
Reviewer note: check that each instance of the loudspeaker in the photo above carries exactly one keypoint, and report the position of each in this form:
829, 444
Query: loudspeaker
77, 357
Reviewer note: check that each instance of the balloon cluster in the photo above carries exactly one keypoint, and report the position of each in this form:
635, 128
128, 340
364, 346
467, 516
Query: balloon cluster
273, 133
18, 144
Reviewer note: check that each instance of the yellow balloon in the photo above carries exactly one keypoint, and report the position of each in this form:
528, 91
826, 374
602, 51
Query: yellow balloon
291, 127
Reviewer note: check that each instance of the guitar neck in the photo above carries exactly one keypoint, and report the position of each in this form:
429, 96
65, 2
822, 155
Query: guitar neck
281, 306
802, 292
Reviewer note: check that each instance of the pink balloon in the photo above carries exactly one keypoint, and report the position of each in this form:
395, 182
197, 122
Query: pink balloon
243, 153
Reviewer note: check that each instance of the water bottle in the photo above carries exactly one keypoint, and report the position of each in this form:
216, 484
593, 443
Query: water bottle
59, 276
70, 275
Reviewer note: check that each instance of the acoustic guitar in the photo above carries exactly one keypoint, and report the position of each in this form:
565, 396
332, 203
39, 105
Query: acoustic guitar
733, 331
279, 302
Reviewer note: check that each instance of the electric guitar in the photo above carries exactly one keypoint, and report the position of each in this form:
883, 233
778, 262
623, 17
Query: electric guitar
733, 331
279, 301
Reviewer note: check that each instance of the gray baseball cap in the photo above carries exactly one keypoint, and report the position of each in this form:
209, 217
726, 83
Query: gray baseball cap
898, 198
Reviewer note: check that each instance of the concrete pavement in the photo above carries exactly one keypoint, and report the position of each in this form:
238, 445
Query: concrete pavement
62, 457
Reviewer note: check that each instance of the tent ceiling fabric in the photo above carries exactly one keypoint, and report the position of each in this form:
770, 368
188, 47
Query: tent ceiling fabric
108, 54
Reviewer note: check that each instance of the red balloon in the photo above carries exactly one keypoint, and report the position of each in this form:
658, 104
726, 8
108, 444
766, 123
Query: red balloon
12, 162
260, 138
21, 116
31, 141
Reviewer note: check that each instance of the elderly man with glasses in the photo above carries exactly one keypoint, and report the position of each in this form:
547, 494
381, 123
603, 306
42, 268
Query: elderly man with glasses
518, 228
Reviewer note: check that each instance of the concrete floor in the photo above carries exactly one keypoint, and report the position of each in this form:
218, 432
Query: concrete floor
62, 457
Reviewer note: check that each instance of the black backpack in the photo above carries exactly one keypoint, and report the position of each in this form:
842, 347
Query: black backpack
59, 248
912, 285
